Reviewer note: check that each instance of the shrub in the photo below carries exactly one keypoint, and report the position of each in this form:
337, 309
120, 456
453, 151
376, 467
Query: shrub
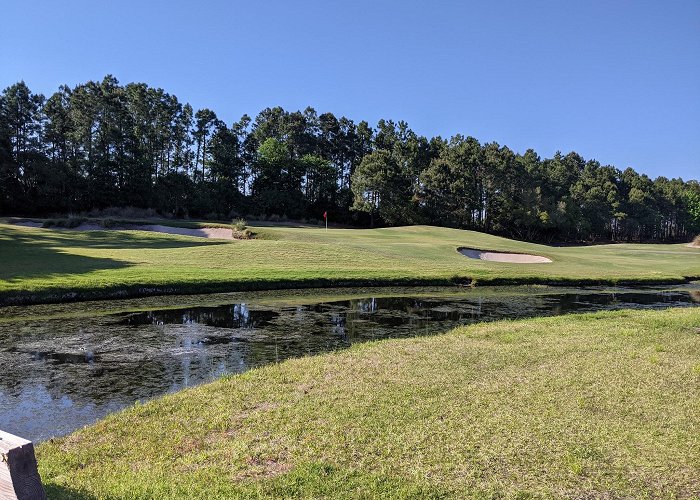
72, 222
69, 222
238, 224
108, 223
242, 234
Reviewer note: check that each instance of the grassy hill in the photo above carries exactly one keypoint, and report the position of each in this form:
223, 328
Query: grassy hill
602, 405
43, 264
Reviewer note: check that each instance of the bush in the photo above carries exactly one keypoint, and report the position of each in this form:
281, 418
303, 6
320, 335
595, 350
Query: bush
274, 218
242, 234
108, 223
66, 222
238, 224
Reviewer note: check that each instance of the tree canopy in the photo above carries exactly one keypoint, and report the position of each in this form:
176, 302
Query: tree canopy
103, 144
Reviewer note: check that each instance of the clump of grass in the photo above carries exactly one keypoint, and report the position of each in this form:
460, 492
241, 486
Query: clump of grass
696, 242
240, 230
245, 234
109, 223
238, 224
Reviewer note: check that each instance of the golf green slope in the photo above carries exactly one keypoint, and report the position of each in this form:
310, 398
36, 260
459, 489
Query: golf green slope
602, 405
42, 264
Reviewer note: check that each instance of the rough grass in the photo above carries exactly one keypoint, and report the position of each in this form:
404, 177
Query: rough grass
597, 405
40, 264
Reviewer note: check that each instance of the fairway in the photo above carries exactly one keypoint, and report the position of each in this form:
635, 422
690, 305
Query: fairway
53, 265
594, 405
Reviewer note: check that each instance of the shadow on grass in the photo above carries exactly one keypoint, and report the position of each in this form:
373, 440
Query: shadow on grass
103, 239
43, 254
55, 492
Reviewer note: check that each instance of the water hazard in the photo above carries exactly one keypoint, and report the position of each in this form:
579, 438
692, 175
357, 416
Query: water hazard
66, 366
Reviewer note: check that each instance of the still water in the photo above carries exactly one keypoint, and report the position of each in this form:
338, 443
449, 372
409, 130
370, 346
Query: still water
66, 366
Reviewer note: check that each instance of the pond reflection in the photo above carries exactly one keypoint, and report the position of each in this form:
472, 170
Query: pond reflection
60, 374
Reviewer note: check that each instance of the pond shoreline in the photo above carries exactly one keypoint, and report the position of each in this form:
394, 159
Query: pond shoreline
68, 365
533, 390
60, 296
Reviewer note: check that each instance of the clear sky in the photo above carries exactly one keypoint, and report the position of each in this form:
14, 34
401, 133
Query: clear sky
614, 80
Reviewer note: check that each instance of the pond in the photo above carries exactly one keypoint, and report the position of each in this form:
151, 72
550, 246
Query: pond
65, 366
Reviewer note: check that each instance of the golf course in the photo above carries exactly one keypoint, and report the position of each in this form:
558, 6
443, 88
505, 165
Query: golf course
350, 250
55, 265
584, 405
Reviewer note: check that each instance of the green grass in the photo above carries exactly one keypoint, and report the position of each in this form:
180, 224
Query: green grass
41, 264
596, 405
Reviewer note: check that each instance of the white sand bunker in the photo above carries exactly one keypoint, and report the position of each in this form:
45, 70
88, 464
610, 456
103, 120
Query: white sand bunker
219, 233
514, 258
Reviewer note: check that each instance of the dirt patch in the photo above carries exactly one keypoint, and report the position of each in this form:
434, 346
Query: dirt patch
513, 258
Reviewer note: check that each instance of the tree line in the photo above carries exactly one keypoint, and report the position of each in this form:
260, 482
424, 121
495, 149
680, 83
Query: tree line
102, 144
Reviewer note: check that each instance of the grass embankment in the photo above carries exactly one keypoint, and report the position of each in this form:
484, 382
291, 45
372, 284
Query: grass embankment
53, 265
596, 405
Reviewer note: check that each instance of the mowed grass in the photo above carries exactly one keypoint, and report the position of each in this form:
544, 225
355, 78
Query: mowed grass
41, 262
596, 405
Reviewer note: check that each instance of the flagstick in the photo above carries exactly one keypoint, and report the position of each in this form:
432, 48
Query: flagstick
326, 223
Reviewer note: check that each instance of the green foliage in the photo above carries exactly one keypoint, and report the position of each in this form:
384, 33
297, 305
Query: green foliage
381, 187
101, 144
692, 202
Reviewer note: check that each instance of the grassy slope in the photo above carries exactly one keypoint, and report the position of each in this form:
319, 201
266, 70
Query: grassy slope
41, 261
595, 405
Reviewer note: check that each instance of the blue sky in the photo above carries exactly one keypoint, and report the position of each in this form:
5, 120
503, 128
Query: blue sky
617, 80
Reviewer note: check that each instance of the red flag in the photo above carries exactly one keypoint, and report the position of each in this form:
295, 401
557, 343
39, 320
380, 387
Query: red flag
325, 215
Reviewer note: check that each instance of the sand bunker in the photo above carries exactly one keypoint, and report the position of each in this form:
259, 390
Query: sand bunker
219, 233
514, 258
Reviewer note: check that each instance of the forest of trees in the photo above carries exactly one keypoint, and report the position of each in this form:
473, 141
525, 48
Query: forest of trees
102, 144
